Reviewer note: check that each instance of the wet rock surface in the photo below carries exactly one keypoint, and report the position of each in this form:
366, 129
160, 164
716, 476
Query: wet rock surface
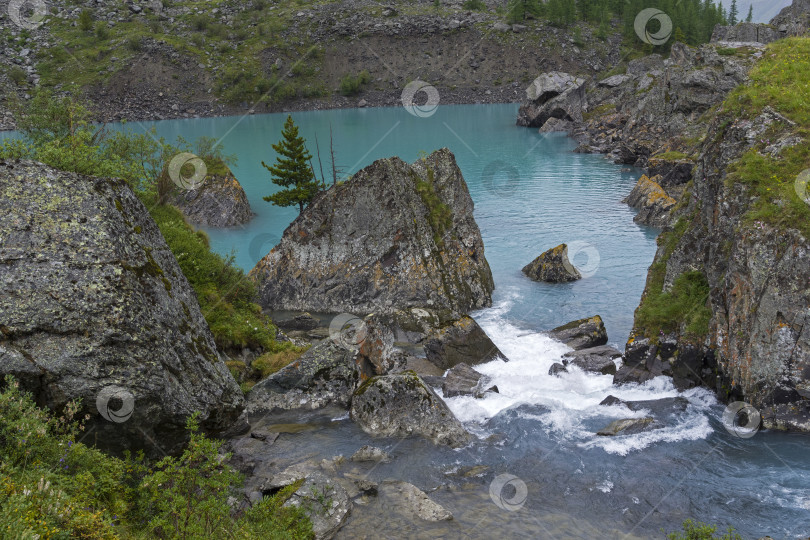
595, 359
94, 306
629, 426
219, 202
552, 266
462, 380
461, 342
402, 405
582, 334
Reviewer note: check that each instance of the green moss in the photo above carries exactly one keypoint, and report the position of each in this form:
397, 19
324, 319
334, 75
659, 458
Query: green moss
440, 216
684, 308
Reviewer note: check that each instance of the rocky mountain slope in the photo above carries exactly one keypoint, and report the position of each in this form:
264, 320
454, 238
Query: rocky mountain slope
94, 306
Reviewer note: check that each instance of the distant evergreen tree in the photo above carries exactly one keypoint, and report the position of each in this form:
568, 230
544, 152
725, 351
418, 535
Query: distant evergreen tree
520, 10
732, 13
292, 170
750, 16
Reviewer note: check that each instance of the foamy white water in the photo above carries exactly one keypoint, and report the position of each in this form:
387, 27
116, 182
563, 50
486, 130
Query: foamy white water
572, 399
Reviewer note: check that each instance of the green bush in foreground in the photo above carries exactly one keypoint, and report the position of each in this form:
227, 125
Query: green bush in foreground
54, 487
702, 531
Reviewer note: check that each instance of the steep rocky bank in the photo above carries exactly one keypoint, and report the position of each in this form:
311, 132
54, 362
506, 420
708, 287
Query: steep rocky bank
95, 307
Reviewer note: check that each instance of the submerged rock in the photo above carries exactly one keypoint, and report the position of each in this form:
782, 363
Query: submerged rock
553, 95
462, 380
557, 368
94, 306
324, 501
582, 334
402, 405
463, 341
629, 426
595, 359
553, 266
219, 202
371, 453
415, 501
395, 236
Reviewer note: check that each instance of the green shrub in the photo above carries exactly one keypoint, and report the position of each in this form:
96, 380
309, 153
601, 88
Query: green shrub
351, 85
85, 20
102, 31
200, 22
702, 531
683, 306
17, 75
474, 5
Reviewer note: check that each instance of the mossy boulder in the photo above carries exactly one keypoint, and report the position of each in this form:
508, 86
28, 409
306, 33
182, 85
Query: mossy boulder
402, 405
94, 306
553, 266
219, 201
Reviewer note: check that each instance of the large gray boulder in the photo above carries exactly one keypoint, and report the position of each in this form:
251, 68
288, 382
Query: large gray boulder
552, 266
219, 201
94, 306
599, 359
395, 236
463, 380
582, 333
329, 372
462, 341
553, 95
402, 405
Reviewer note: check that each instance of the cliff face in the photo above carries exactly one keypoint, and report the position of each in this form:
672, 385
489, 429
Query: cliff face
741, 240
94, 306
395, 236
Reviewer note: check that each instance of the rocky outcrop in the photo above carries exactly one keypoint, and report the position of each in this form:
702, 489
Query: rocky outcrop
652, 201
553, 96
463, 380
395, 236
747, 33
463, 341
599, 359
402, 405
329, 372
755, 343
94, 306
219, 201
552, 266
582, 334
793, 20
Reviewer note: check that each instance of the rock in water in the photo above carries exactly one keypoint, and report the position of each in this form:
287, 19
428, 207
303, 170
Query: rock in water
552, 266
652, 201
629, 426
595, 359
463, 380
328, 373
463, 341
402, 405
394, 236
219, 202
414, 500
553, 95
582, 334
94, 306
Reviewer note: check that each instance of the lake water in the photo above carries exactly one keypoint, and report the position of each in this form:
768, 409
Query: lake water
531, 193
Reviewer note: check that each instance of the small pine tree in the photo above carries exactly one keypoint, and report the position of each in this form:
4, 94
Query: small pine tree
292, 170
750, 16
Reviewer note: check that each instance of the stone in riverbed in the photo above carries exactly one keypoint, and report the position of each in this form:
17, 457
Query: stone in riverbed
462, 380
371, 453
402, 405
595, 359
395, 236
582, 334
557, 368
463, 341
629, 426
219, 202
323, 500
414, 500
552, 266
94, 306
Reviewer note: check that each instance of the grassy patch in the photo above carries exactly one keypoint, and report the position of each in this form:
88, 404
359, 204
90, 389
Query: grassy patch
271, 362
672, 156
350, 85
781, 80
440, 215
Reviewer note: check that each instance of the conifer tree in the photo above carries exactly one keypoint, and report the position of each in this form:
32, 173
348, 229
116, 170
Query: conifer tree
750, 16
292, 170
732, 13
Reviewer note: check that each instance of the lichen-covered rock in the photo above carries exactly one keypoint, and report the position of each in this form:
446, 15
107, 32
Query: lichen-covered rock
553, 266
402, 405
329, 372
323, 500
395, 236
94, 306
463, 341
582, 334
652, 201
553, 95
219, 201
